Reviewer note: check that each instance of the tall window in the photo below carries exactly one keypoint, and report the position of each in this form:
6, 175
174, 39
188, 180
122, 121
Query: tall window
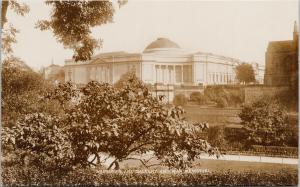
70, 75
157, 73
178, 74
170, 69
163, 73
187, 74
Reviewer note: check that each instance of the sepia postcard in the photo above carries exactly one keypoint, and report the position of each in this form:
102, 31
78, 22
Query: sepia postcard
149, 93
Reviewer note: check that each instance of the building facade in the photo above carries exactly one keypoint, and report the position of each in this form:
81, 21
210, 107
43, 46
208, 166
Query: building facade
282, 62
162, 62
54, 73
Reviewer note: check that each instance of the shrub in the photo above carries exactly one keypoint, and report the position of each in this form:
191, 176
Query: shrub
216, 136
266, 122
224, 97
100, 119
221, 103
92, 177
180, 100
21, 90
198, 97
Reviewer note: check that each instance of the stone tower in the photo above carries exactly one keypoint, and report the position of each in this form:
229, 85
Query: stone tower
282, 62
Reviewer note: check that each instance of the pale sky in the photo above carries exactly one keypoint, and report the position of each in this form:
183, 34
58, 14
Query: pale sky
238, 29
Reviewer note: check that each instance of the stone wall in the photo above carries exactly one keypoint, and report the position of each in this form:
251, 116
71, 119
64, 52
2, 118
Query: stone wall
254, 93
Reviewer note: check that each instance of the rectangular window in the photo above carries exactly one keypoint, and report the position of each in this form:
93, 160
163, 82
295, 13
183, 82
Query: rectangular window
70, 75
178, 74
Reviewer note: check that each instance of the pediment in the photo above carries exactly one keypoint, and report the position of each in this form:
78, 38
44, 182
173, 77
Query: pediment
97, 61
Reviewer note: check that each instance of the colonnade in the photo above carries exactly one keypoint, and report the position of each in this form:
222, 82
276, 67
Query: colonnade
100, 74
172, 74
221, 78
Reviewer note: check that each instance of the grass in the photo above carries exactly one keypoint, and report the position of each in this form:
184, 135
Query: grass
214, 116
223, 116
217, 165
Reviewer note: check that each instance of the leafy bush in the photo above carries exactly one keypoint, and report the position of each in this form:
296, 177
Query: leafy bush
198, 97
266, 122
21, 91
221, 103
216, 136
98, 120
224, 97
92, 177
180, 100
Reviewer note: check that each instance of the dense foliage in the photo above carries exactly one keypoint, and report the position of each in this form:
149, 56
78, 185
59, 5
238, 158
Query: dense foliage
97, 122
266, 122
90, 177
8, 31
180, 100
21, 91
224, 97
71, 23
217, 137
198, 97
245, 73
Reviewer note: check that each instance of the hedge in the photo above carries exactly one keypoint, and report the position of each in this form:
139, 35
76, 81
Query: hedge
91, 177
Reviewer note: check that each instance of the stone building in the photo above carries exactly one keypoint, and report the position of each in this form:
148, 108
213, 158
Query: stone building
163, 62
282, 62
54, 73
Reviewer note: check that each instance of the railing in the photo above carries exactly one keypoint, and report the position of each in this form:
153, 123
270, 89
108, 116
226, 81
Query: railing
271, 151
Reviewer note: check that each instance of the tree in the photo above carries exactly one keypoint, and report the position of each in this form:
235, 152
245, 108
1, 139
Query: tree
71, 23
103, 120
9, 31
265, 121
245, 73
127, 121
19, 8
21, 88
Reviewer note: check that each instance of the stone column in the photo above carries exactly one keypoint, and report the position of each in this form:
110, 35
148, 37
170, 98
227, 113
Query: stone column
162, 74
170, 75
181, 73
159, 73
174, 75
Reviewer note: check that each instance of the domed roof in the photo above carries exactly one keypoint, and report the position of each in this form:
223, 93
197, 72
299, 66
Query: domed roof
162, 43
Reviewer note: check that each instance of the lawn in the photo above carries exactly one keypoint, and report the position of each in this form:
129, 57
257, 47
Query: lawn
224, 116
214, 116
216, 165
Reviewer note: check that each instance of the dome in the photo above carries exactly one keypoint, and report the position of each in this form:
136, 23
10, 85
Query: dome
161, 43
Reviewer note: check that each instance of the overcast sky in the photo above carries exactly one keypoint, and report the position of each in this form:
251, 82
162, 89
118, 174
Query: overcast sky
238, 29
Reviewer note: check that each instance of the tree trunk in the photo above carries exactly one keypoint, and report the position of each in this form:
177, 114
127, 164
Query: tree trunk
3, 12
